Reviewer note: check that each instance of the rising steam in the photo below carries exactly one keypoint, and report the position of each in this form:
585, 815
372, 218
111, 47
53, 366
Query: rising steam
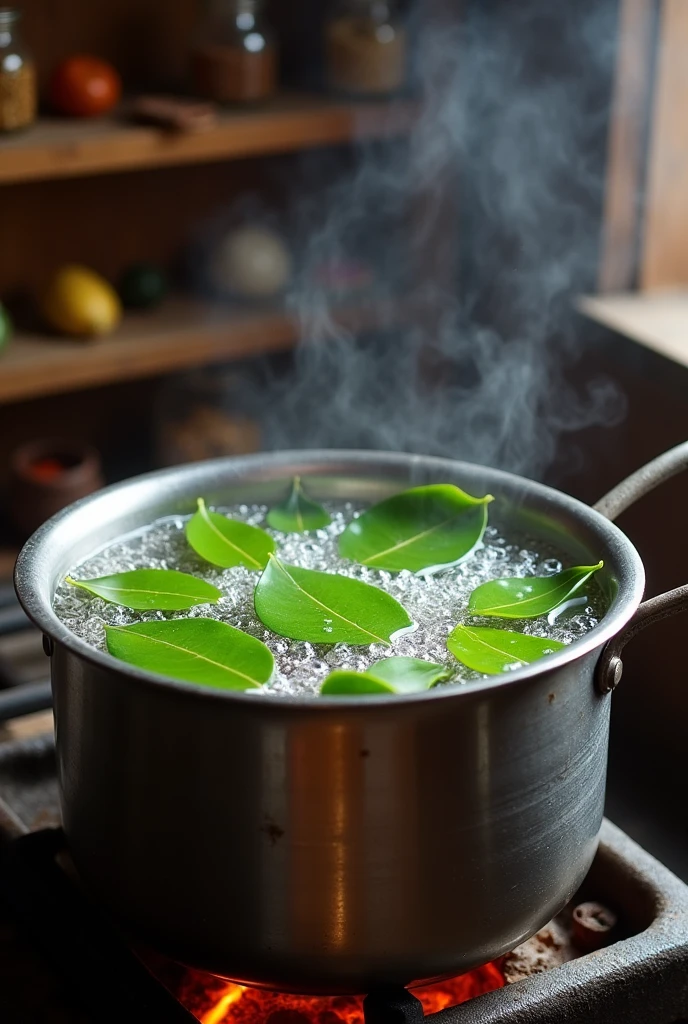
475, 367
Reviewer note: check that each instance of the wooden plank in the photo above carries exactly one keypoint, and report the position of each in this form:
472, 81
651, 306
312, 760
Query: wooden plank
665, 248
56, 148
184, 333
626, 153
658, 321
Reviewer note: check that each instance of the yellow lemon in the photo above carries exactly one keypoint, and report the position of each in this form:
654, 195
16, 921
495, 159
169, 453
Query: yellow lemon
80, 302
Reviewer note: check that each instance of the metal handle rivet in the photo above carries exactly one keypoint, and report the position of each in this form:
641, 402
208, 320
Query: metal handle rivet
612, 675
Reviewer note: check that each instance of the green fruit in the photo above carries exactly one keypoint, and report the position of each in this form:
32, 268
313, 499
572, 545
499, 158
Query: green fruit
6, 328
142, 286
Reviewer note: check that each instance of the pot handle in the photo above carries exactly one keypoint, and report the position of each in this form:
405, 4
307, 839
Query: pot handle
610, 667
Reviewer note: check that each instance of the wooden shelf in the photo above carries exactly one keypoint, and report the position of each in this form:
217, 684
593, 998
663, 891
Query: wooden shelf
183, 333
56, 148
657, 320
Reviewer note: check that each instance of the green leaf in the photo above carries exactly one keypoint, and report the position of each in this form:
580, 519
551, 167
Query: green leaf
494, 650
227, 542
326, 608
409, 675
425, 528
196, 650
347, 683
391, 675
530, 596
298, 513
165, 590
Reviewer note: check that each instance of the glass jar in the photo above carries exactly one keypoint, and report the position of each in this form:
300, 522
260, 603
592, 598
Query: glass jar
234, 59
366, 48
18, 89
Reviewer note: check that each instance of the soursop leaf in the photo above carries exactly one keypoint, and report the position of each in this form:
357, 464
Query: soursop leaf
164, 590
391, 675
202, 651
530, 596
227, 542
298, 513
326, 608
492, 651
422, 529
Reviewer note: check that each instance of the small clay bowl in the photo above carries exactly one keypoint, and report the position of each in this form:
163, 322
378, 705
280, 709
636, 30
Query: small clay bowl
48, 475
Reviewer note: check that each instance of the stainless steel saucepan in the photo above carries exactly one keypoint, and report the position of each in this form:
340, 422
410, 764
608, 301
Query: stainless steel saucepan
331, 845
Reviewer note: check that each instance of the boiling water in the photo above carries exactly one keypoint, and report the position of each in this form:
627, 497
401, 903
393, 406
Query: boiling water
436, 604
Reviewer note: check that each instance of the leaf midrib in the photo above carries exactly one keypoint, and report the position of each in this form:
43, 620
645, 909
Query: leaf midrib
205, 515
502, 654
337, 615
176, 647
526, 602
417, 536
137, 590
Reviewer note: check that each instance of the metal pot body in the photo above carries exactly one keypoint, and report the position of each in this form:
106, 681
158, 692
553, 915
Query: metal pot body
330, 845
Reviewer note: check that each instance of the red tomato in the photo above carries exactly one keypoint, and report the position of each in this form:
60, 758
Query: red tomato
84, 87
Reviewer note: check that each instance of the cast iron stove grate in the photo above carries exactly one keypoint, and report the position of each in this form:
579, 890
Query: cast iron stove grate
640, 979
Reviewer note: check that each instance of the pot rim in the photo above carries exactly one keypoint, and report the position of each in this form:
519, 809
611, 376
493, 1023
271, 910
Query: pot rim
38, 605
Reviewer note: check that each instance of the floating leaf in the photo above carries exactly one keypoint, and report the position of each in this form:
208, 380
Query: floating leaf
347, 683
298, 513
421, 529
409, 675
493, 650
196, 650
227, 542
528, 597
164, 590
323, 607
391, 675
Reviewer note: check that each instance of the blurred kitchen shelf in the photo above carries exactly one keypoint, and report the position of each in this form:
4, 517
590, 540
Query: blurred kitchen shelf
657, 320
8, 556
55, 148
183, 333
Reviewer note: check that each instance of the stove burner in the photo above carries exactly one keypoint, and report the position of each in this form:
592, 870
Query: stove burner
392, 1006
642, 979
93, 955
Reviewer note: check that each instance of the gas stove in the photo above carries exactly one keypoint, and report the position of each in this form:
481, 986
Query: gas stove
618, 953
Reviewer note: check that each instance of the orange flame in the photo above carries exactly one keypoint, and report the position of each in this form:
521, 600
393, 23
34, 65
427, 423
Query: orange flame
213, 1002
218, 1013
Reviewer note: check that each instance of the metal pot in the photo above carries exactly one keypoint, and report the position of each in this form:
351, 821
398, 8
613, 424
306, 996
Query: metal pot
334, 845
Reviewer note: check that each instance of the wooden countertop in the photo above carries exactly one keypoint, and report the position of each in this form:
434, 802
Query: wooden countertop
657, 320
